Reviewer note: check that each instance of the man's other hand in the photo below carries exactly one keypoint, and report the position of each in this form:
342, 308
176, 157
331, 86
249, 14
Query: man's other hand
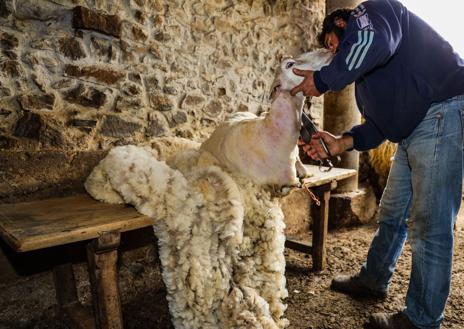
307, 86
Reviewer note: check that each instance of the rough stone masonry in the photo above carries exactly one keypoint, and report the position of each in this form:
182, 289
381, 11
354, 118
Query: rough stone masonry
79, 77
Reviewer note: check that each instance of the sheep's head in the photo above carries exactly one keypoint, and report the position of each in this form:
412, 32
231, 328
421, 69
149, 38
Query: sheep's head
286, 79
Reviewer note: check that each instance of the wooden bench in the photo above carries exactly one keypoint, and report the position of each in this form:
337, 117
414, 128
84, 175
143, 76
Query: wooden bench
35, 225
321, 183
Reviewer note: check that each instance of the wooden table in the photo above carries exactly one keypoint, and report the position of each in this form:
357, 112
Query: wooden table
40, 224
321, 183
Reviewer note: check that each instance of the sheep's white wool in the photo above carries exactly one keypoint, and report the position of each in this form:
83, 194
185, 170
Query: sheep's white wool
220, 236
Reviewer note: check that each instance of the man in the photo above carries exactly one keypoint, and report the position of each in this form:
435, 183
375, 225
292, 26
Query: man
409, 89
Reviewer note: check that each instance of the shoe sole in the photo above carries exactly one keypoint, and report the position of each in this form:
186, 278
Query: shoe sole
366, 295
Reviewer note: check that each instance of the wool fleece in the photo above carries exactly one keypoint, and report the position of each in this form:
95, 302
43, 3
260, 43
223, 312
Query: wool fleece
220, 236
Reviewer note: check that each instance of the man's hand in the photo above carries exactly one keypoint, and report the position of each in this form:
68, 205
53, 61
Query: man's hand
336, 145
307, 86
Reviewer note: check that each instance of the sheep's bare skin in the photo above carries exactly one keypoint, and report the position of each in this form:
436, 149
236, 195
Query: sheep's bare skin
262, 148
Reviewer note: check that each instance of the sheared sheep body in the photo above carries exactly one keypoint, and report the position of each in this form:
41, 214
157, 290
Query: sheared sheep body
262, 148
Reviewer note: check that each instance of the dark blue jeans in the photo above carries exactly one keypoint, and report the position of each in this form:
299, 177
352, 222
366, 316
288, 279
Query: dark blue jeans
420, 203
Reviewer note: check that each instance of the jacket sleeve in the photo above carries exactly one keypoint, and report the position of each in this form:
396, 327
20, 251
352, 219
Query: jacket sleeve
372, 36
366, 136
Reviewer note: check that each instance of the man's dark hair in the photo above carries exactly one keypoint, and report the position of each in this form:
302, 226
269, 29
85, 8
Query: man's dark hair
329, 24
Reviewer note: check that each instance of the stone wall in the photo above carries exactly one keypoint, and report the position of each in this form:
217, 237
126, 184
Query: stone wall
86, 75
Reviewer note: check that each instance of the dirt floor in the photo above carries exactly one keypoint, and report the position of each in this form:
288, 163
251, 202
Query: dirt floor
311, 304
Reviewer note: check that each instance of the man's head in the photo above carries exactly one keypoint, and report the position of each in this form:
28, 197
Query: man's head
333, 28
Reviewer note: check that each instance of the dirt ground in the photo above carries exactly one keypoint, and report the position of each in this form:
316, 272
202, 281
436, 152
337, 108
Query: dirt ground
311, 304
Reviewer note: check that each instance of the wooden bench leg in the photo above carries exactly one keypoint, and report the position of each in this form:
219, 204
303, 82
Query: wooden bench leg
65, 285
71, 311
102, 256
320, 225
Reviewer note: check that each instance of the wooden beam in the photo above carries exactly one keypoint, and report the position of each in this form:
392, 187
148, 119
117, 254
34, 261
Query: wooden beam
299, 246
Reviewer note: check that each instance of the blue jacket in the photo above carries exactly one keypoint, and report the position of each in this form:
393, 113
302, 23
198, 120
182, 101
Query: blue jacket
400, 66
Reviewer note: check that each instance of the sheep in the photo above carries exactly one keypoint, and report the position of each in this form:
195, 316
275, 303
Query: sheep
263, 148
206, 222
287, 80
220, 231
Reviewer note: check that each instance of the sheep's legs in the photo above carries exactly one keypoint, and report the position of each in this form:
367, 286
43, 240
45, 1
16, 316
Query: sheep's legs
300, 169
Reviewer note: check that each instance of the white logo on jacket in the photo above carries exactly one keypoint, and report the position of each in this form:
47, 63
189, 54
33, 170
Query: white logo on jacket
364, 22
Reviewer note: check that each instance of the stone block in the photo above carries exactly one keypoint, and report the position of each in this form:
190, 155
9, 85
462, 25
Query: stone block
42, 10
140, 16
177, 119
352, 208
37, 101
71, 48
138, 34
151, 83
85, 96
161, 102
131, 89
84, 18
101, 74
162, 37
192, 100
156, 128
82, 123
28, 125
214, 108
114, 126
12, 68
8, 41
5, 9
101, 47
5, 92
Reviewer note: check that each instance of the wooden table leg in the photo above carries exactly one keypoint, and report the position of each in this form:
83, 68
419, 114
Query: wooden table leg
71, 311
102, 256
320, 226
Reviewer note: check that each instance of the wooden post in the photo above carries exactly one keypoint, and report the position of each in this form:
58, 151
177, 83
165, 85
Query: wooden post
102, 256
320, 226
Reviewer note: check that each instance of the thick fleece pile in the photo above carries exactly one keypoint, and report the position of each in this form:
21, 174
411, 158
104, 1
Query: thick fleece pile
220, 237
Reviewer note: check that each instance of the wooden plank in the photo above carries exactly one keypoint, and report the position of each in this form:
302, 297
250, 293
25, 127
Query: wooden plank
45, 223
320, 177
300, 246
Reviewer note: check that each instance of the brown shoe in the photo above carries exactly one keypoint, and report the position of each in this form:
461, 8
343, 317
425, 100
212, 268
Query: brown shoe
351, 285
397, 320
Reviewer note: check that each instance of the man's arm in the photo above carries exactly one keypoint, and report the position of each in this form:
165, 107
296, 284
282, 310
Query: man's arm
365, 136
361, 138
